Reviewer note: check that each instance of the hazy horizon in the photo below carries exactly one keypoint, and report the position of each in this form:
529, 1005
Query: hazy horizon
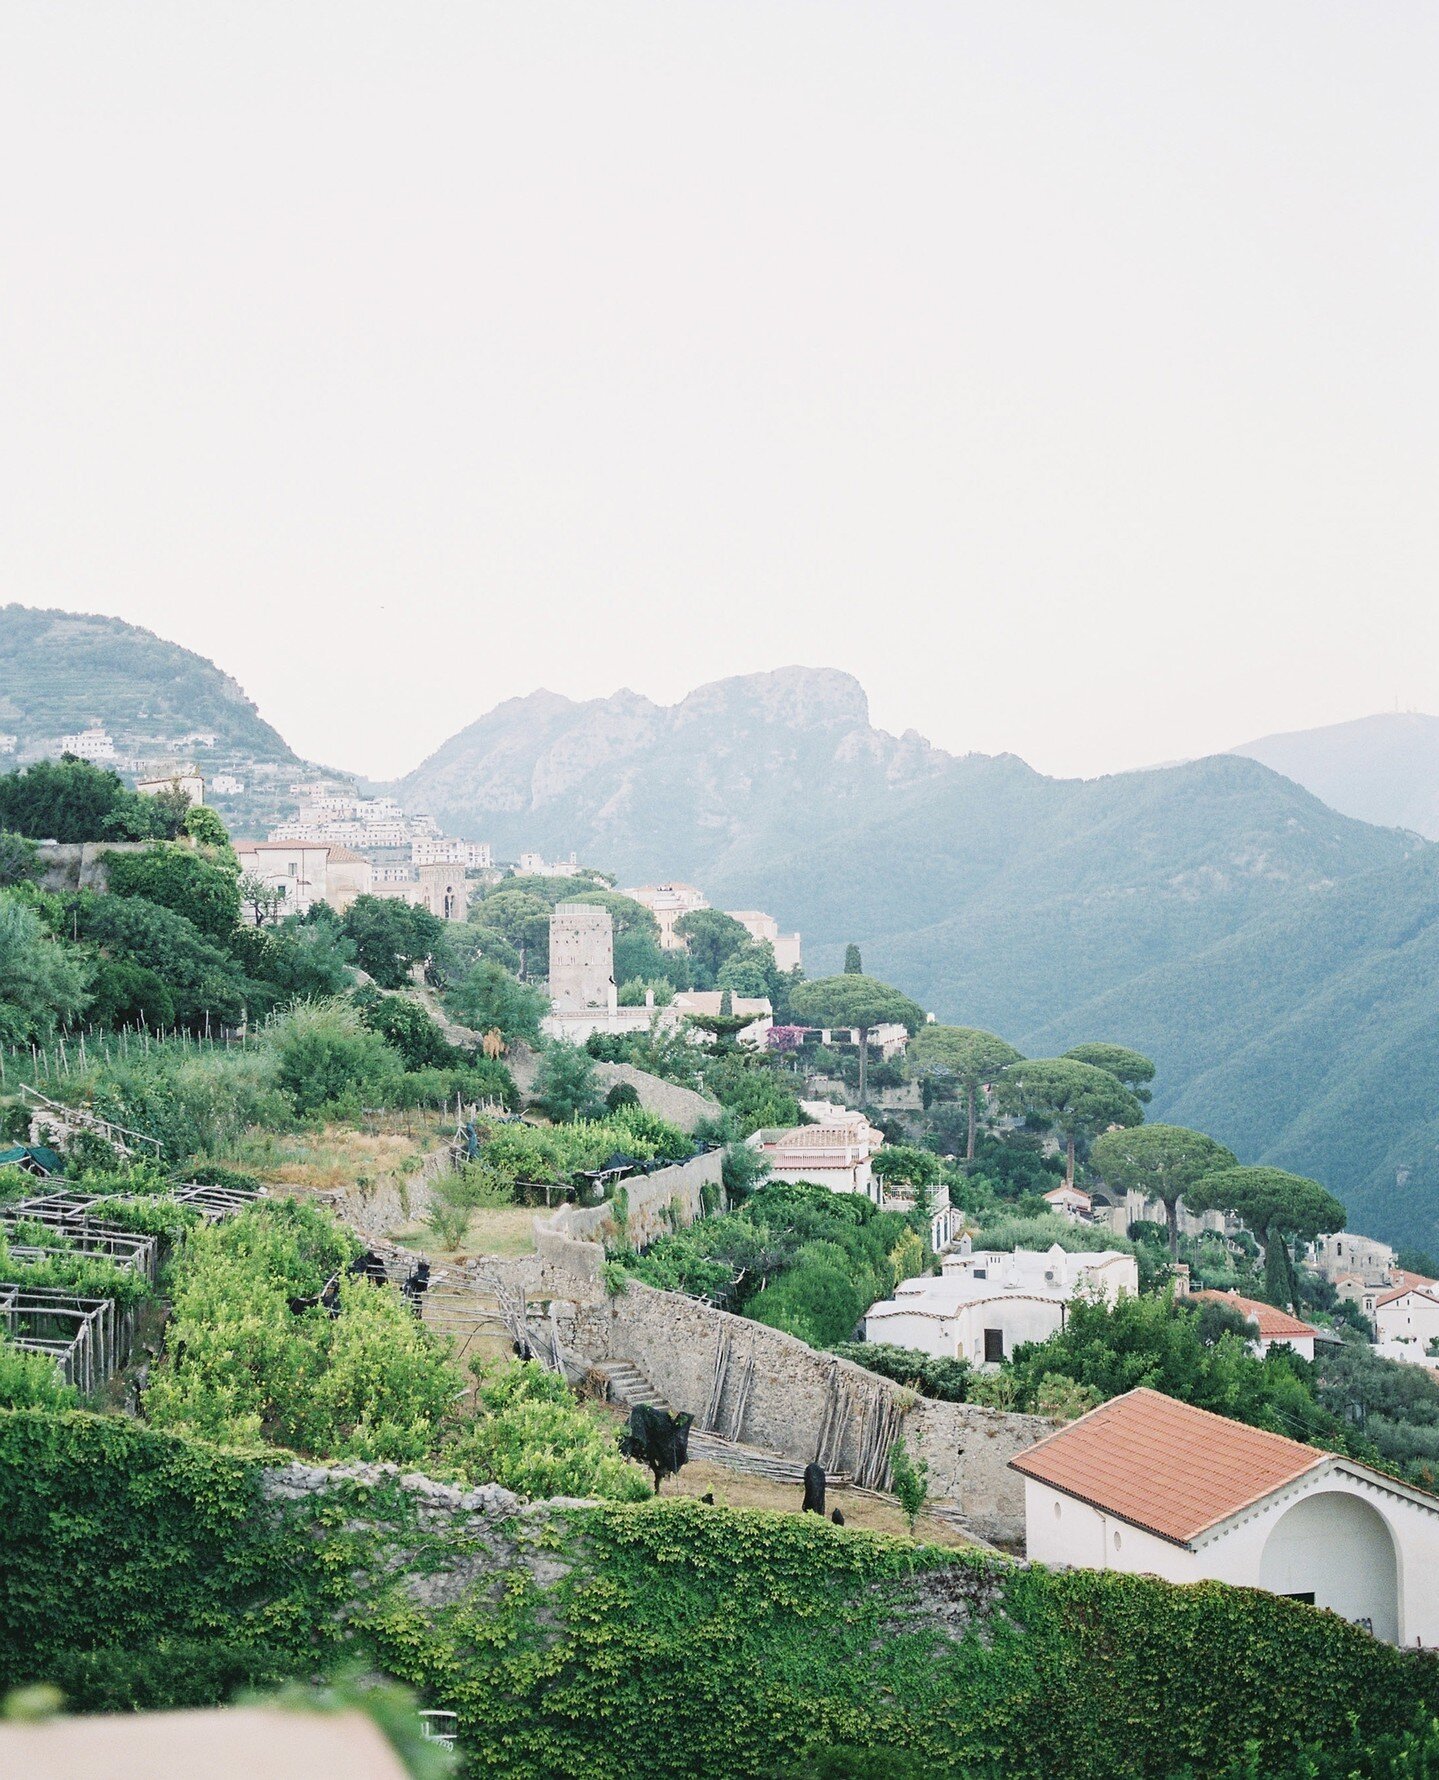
1066, 375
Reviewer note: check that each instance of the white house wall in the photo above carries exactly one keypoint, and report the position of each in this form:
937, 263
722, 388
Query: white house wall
1331, 1548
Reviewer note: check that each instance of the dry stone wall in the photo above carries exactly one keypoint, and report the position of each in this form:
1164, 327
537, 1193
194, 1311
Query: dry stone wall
754, 1384
654, 1205
666, 1100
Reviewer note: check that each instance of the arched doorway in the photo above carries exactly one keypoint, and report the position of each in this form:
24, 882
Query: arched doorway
1335, 1549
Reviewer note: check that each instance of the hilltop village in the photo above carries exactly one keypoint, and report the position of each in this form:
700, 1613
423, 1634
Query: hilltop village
407, 1250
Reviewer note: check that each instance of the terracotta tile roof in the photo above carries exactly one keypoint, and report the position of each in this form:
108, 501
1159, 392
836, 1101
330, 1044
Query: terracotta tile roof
1274, 1324
345, 856
1163, 1465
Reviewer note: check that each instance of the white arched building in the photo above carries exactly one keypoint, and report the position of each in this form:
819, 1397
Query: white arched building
1149, 1485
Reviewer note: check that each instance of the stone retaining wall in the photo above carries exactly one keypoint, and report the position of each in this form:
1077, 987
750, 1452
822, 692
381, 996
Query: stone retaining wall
666, 1100
783, 1395
654, 1204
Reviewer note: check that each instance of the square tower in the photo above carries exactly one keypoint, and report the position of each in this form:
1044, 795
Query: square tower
582, 958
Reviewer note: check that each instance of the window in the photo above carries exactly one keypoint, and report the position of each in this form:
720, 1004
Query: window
1307, 1596
994, 1345
981, 1273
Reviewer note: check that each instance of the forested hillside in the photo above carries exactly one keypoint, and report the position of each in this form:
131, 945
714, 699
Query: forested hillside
60, 671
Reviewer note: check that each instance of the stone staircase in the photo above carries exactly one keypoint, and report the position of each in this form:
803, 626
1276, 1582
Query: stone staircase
628, 1385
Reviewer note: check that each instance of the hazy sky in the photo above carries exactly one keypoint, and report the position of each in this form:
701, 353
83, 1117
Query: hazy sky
1065, 371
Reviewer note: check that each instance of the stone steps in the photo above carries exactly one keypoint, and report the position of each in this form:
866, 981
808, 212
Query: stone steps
628, 1386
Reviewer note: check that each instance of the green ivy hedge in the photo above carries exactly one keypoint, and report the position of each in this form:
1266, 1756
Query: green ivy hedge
682, 1640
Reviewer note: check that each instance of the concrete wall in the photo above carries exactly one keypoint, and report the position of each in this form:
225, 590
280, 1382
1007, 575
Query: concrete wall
785, 1396
80, 865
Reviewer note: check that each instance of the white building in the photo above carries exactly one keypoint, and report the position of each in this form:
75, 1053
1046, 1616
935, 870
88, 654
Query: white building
197, 738
1069, 1202
297, 872
227, 785
532, 865
184, 779
1272, 1327
90, 744
834, 1152
1151, 1486
985, 1303
1408, 1312
473, 855
667, 903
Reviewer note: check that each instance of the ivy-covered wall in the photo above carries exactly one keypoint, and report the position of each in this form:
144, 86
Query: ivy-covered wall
672, 1639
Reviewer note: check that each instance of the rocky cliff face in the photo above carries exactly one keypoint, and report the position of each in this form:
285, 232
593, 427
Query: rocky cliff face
645, 788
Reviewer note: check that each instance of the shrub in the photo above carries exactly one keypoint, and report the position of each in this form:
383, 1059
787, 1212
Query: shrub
531, 1436
31, 1381
909, 1478
932, 1375
325, 1056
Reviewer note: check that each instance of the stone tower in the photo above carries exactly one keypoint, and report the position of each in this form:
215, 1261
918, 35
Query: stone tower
582, 958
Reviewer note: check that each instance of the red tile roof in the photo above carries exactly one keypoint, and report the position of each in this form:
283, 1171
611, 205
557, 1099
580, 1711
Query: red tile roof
1274, 1324
1165, 1466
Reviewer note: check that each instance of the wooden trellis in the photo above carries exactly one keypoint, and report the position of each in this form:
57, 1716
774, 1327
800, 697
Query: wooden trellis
88, 1338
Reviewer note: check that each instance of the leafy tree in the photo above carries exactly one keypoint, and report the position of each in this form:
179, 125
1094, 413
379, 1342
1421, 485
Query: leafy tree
70, 800
126, 994
205, 828
1278, 1207
909, 1478
1130, 1067
259, 900
751, 970
300, 960
200, 978
565, 1083
489, 997
859, 1001
522, 920
407, 1028
205, 889
1200, 1357
710, 937
972, 1056
390, 937
905, 1163
622, 1094
43, 982
531, 1436
19, 861
1161, 1161
853, 963
1075, 1099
